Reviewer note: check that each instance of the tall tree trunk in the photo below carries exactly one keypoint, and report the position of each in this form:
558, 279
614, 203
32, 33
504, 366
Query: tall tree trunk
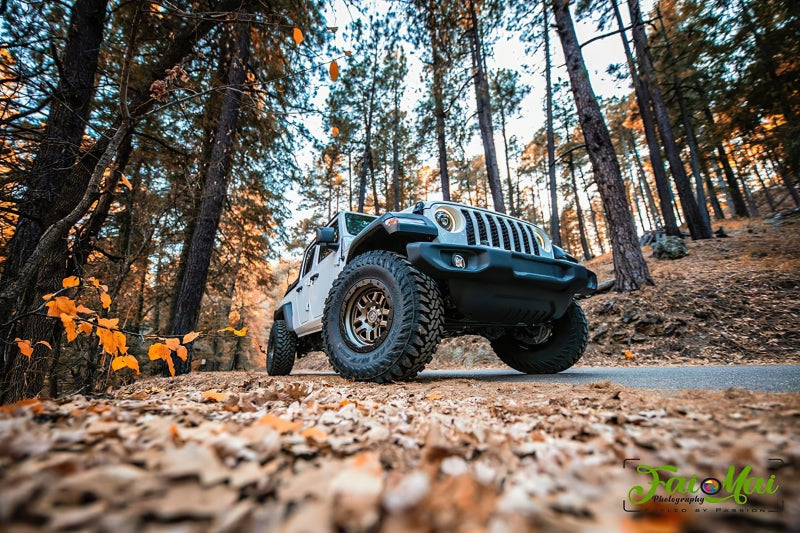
396, 148
511, 207
738, 206
764, 187
484, 109
712, 196
592, 214
629, 264
367, 162
698, 228
555, 222
587, 251
187, 308
694, 154
643, 97
651, 203
438, 98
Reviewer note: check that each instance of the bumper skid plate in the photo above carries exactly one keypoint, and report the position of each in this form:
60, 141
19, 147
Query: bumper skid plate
502, 287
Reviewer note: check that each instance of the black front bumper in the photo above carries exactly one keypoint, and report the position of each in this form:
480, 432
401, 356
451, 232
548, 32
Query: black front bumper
502, 287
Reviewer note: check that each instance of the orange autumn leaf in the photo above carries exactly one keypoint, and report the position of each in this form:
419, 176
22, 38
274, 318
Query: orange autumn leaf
334, 70
45, 343
125, 361
110, 339
24, 346
335, 131
170, 365
629, 355
121, 342
85, 328
158, 351
279, 424
71, 281
105, 299
172, 343
238, 332
109, 323
69, 327
214, 396
189, 337
182, 353
233, 318
314, 433
61, 305
126, 182
297, 35
84, 310
48, 296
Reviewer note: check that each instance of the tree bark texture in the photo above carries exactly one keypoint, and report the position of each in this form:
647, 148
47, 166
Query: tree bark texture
643, 98
438, 99
629, 264
484, 110
698, 228
188, 299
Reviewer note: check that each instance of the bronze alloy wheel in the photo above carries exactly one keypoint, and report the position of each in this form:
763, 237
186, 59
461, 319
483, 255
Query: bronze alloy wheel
368, 315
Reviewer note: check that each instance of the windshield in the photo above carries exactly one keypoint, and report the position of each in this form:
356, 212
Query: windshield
356, 222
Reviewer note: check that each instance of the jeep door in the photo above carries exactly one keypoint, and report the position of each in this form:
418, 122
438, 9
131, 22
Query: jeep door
320, 268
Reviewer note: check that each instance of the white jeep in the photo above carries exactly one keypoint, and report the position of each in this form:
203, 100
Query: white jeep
377, 294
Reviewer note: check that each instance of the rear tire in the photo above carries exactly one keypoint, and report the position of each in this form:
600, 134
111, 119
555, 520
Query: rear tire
383, 319
280, 349
565, 345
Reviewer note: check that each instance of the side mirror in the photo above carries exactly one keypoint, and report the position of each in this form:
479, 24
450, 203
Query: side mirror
327, 237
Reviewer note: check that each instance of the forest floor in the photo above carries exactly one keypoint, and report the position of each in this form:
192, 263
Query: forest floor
241, 451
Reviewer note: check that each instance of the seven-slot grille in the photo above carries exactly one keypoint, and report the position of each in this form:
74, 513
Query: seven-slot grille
497, 231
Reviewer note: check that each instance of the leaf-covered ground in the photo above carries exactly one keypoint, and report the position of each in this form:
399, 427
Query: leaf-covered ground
246, 452
314, 453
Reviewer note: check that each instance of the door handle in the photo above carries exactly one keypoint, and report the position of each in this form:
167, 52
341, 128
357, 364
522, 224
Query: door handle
315, 276
299, 289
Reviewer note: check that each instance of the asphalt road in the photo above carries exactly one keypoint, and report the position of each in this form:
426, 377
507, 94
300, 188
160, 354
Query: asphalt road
770, 378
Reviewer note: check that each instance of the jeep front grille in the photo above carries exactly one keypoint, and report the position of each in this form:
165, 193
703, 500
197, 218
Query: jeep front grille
497, 231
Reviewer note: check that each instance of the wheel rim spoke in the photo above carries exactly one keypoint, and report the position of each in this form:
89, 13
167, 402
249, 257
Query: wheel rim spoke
368, 315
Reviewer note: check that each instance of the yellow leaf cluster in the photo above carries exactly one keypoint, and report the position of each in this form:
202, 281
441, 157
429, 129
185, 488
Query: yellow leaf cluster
125, 361
61, 305
163, 350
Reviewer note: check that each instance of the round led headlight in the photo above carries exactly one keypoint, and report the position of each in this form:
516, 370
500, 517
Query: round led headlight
444, 219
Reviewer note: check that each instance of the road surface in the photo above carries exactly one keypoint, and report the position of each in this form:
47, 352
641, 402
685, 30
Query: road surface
769, 378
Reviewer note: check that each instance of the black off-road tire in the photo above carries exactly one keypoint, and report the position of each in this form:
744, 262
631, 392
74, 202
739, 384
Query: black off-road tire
280, 349
404, 342
562, 349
